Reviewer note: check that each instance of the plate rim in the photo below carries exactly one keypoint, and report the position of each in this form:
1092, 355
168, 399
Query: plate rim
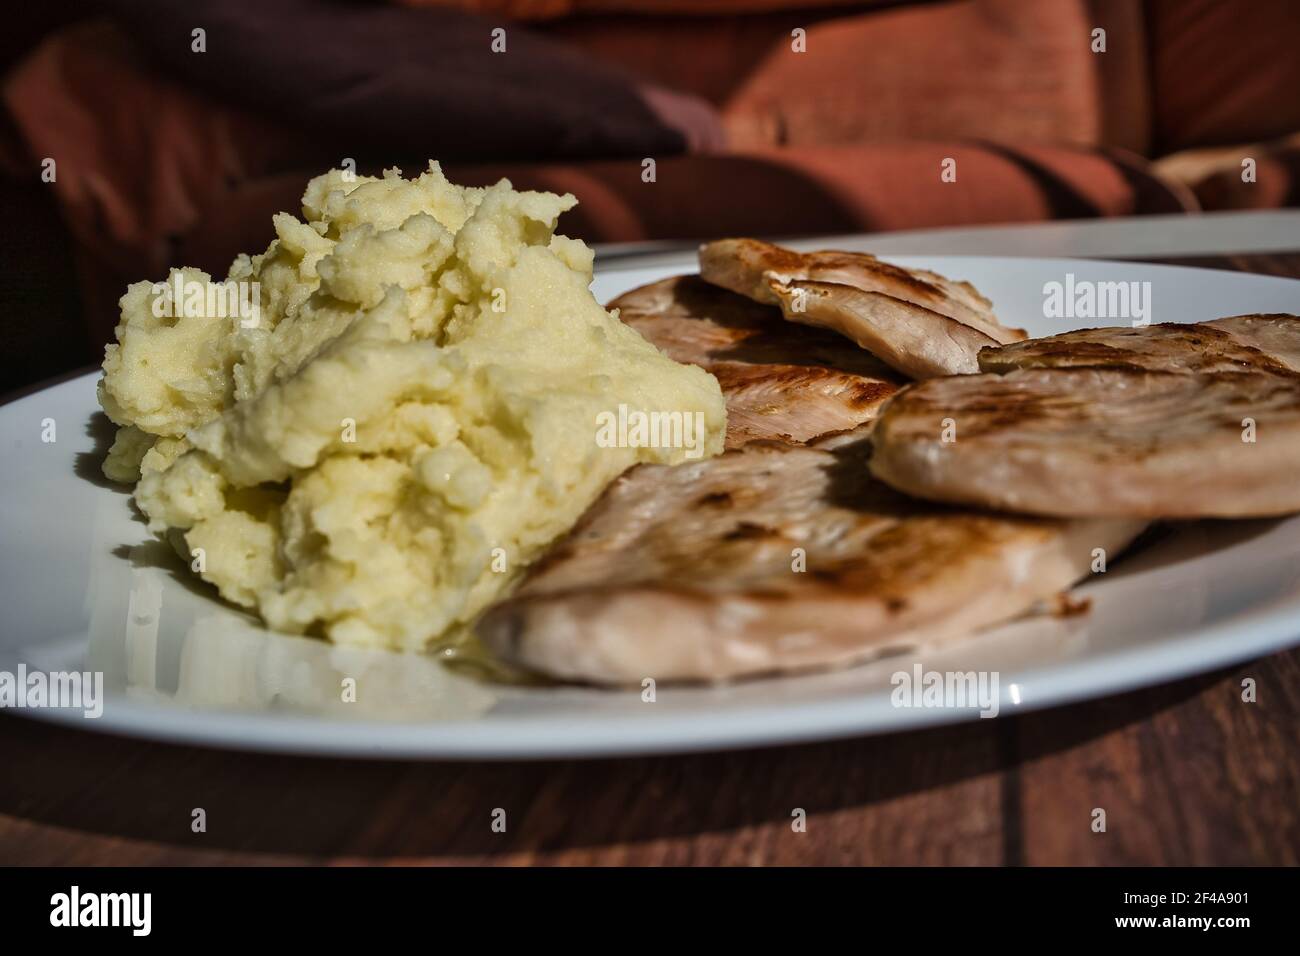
619, 736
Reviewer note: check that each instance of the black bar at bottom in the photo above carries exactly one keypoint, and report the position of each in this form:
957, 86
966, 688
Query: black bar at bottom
368, 905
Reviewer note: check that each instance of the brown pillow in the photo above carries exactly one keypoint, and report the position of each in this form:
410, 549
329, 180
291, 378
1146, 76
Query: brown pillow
1016, 71
1223, 72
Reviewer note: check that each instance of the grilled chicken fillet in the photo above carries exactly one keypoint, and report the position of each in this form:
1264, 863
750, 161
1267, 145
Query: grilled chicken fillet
1098, 442
780, 381
1240, 343
919, 322
689, 572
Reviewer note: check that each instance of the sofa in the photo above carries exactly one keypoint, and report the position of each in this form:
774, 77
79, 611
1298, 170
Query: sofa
824, 117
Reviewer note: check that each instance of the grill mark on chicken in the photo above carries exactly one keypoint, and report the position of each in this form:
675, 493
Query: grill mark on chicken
918, 322
1240, 343
780, 381
655, 581
1102, 442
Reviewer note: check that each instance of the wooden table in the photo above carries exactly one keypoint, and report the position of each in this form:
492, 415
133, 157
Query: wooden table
1187, 774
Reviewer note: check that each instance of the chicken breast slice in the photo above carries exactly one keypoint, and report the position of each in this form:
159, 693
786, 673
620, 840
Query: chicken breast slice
1238, 343
885, 308
692, 572
919, 343
747, 266
780, 381
1098, 442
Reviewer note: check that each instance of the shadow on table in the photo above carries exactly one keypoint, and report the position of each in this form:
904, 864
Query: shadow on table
280, 807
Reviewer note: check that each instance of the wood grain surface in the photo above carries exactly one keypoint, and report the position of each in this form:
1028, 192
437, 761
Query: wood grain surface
1188, 773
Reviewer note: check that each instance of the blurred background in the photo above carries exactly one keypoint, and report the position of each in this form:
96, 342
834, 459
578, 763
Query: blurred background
775, 118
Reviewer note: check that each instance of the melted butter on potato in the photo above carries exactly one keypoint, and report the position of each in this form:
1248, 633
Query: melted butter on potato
421, 388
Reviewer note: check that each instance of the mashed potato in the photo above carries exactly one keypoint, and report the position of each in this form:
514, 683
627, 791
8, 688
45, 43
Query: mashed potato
405, 419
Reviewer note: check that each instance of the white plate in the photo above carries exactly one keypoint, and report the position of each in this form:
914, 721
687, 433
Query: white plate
83, 587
